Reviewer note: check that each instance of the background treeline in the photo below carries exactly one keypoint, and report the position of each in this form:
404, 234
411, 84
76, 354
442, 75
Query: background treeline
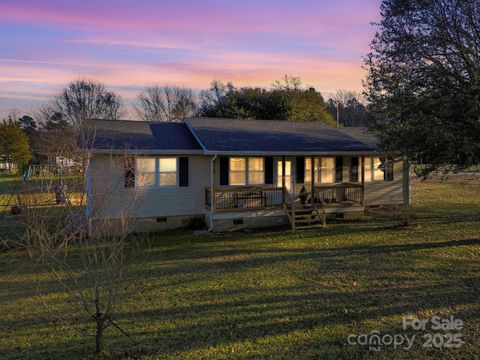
51, 130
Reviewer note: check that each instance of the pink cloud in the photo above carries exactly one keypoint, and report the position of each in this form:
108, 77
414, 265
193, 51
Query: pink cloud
128, 45
194, 18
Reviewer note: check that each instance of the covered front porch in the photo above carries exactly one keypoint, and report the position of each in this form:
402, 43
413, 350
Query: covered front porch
304, 188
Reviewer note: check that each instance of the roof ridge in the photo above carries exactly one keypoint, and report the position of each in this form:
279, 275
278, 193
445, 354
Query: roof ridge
317, 122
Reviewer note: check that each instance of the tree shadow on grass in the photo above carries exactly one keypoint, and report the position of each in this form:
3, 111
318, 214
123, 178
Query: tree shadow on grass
294, 309
216, 318
324, 295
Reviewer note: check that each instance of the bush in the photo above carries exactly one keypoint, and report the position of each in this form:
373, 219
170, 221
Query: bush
15, 210
197, 223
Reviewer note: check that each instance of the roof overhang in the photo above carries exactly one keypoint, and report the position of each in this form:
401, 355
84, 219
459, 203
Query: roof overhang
140, 152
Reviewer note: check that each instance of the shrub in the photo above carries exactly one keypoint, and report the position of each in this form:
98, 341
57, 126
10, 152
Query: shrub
197, 223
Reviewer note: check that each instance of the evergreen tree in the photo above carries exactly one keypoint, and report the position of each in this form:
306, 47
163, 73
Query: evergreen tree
14, 146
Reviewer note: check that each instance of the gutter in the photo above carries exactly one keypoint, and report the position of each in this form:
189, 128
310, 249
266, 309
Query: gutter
140, 152
292, 153
212, 193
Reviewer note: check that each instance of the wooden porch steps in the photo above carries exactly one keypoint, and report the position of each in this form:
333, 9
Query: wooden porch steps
309, 227
305, 218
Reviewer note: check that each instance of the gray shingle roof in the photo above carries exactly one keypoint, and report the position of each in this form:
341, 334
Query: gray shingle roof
270, 136
136, 135
361, 134
224, 136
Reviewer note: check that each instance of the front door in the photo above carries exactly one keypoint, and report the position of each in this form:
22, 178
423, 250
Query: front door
288, 176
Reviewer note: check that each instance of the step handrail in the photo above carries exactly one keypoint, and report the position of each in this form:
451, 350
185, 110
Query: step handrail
324, 214
292, 221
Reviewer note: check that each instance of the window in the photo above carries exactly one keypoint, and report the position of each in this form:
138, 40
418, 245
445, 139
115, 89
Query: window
151, 171
243, 171
327, 170
145, 167
167, 171
256, 171
308, 169
237, 171
378, 170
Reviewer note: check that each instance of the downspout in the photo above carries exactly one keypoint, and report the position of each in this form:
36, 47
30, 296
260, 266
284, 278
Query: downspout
88, 194
212, 192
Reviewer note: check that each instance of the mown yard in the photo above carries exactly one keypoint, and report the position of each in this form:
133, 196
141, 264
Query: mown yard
273, 294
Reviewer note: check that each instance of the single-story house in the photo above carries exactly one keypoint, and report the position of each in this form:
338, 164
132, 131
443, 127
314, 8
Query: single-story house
235, 174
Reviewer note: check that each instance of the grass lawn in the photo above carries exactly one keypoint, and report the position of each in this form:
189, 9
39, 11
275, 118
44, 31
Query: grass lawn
274, 294
37, 189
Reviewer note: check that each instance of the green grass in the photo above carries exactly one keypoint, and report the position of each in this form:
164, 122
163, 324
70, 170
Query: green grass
273, 294
37, 189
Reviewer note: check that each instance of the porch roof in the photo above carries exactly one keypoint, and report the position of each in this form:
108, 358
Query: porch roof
231, 136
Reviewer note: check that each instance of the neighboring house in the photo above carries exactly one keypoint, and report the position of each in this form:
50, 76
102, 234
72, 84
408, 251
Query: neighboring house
235, 173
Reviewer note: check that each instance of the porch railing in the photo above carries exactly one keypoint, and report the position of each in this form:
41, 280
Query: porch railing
256, 198
245, 198
339, 194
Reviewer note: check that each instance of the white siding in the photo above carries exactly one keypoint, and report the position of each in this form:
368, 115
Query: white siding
110, 198
380, 192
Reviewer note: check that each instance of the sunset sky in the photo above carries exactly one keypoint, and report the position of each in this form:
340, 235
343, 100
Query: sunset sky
128, 44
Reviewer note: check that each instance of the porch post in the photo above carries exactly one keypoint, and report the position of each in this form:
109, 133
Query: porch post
312, 177
283, 179
363, 179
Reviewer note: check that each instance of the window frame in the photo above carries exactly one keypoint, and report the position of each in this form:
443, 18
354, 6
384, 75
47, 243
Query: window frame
325, 170
246, 171
138, 175
157, 184
158, 172
255, 171
386, 167
237, 171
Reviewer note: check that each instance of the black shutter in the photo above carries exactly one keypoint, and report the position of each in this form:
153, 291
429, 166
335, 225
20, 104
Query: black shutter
183, 167
339, 169
354, 169
269, 170
300, 169
129, 171
224, 170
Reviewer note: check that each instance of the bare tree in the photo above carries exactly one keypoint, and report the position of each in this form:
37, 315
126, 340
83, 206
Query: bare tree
83, 99
87, 255
350, 108
288, 83
343, 96
165, 103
